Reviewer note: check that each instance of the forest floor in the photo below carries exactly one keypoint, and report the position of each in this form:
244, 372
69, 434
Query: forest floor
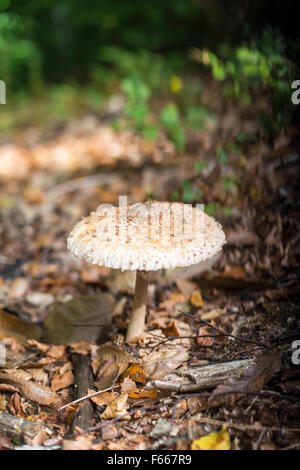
62, 321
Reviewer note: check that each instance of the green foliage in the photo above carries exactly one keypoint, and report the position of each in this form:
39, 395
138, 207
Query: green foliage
257, 66
188, 193
231, 182
171, 122
215, 208
20, 61
197, 116
222, 155
200, 166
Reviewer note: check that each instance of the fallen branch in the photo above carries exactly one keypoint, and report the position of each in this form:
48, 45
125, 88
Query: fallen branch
18, 427
205, 377
83, 381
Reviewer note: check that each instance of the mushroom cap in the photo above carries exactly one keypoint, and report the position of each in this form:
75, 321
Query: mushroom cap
146, 237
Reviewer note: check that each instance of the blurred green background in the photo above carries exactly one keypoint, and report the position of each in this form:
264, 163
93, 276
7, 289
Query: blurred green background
60, 58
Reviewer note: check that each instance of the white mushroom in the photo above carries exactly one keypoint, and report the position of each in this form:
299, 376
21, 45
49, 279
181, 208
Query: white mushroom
146, 237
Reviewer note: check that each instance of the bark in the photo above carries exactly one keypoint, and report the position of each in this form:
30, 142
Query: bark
12, 426
205, 377
83, 382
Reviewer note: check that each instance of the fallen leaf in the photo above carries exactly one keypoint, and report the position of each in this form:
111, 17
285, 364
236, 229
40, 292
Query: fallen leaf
219, 440
39, 375
186, 287
64, 380
116, 407
10, 325
128, 385
136, 373
15, 407
32, 391
80, 319
171, 330
103, 398
79, 443
212, 314
3, 402
56, 352
40, 299
112, 361
18, 287
196, 299
204, 341
110, 432
143, 393
165, 358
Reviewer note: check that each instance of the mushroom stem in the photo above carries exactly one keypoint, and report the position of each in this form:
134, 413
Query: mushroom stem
137, 319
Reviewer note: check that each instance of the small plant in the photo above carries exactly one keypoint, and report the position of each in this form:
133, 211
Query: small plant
200, 166
259, 66
188, 193
171, 122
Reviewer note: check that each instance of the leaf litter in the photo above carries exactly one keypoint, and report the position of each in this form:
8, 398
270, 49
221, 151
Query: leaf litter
53, 305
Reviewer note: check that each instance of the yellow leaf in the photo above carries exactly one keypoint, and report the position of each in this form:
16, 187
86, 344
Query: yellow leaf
116, 407
219, 440
135, 373
175, 84
197, 299
143, 393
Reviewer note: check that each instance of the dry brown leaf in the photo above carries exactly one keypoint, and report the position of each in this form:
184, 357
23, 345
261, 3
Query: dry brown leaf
186, 287
110, 432
79, 443
10, 325
18, 287
32, 391
204, 342
39, 375
164, 357
113, 361
40, 438
171, 330
3, 402
116, 407
196, 299
56, 352
103, 398
213, 314
80, 319
15, 407
81, 347
64, 380
128, 385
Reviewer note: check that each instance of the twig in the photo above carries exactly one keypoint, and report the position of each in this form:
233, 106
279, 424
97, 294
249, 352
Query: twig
292, 446
244, 427
76, 184
99, 426
260, 438
174, 338
85, 397
222, 333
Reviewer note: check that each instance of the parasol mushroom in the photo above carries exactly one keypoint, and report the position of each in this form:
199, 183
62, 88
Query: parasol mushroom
146, 237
